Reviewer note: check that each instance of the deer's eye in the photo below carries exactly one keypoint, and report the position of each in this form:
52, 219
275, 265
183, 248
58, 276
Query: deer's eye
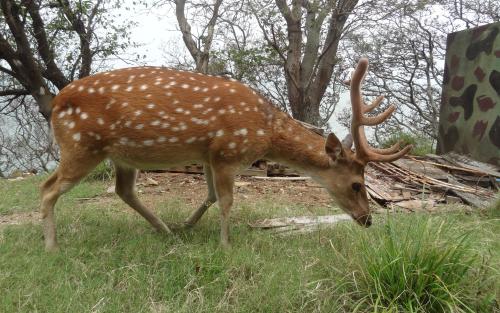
356, 187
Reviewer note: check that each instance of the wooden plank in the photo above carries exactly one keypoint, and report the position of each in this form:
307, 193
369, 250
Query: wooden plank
463, 161
422, 168
299, 221
282, 178
254, 172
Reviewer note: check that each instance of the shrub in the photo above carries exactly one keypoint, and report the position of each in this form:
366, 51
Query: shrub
423, 267
103, 172
421, 145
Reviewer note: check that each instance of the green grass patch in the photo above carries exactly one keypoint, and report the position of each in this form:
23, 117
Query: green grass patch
428, 266
112, 261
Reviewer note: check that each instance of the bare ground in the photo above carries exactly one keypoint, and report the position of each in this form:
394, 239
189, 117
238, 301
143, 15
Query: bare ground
191, 188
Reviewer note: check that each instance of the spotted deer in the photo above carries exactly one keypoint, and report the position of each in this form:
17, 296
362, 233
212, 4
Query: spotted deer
153, 117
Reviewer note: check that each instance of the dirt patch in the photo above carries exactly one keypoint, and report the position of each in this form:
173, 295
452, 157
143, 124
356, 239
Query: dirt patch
192, 188
19, 218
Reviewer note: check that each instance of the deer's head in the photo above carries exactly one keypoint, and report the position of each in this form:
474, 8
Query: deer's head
344, 179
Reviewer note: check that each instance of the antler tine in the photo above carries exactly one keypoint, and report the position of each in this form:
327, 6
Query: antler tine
356, 103
375, 103
363, 150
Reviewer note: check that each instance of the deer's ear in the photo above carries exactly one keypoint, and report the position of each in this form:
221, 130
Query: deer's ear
333, 147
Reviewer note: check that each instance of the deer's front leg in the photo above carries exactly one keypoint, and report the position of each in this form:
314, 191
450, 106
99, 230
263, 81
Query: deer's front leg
223, 175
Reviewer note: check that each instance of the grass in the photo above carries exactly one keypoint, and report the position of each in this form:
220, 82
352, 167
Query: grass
112, 261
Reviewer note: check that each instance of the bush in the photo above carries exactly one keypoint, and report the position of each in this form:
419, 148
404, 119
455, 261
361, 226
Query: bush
103, 172
423, 267
421, 145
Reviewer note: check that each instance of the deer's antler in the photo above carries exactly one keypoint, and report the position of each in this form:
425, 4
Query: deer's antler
364, 152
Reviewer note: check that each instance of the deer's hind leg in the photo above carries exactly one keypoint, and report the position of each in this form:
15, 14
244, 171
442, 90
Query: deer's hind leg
125, 188
69, 172
211, 199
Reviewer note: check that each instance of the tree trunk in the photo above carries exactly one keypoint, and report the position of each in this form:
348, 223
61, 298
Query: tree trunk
45, 105
306, 111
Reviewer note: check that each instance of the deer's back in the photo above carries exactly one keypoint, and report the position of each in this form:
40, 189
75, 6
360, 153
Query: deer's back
151, 117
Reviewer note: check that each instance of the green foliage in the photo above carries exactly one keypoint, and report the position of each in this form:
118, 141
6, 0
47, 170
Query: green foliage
112, 261
421, 145
103, 172
428, 267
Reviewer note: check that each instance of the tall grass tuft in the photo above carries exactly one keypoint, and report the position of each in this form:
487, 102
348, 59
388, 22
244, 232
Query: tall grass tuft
425, 267
103, 172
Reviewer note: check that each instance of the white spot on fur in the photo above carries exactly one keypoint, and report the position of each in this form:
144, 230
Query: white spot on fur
155, 123
242, 132
232, 90
91, 90
222, 111
101, 90
150, 106
115, 87
80, 88
179, 110
144, 87
138, 112
129, 88
84, 116
161, 139
71, 124
100, 121
124, 104
185, 86
191, 140
173, 139
148, 142
260, 132
219, 133
232, 145
77, 136
139, 126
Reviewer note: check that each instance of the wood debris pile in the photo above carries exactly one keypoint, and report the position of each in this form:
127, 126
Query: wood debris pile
421, 182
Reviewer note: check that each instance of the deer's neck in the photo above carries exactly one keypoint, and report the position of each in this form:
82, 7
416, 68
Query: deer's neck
296, 146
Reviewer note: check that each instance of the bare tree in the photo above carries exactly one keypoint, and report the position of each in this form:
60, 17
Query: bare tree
198, 44
307, 45
406, 43
25, 143
32, 31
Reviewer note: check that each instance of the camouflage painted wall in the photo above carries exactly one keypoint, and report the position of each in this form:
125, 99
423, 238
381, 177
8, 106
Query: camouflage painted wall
470, 107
